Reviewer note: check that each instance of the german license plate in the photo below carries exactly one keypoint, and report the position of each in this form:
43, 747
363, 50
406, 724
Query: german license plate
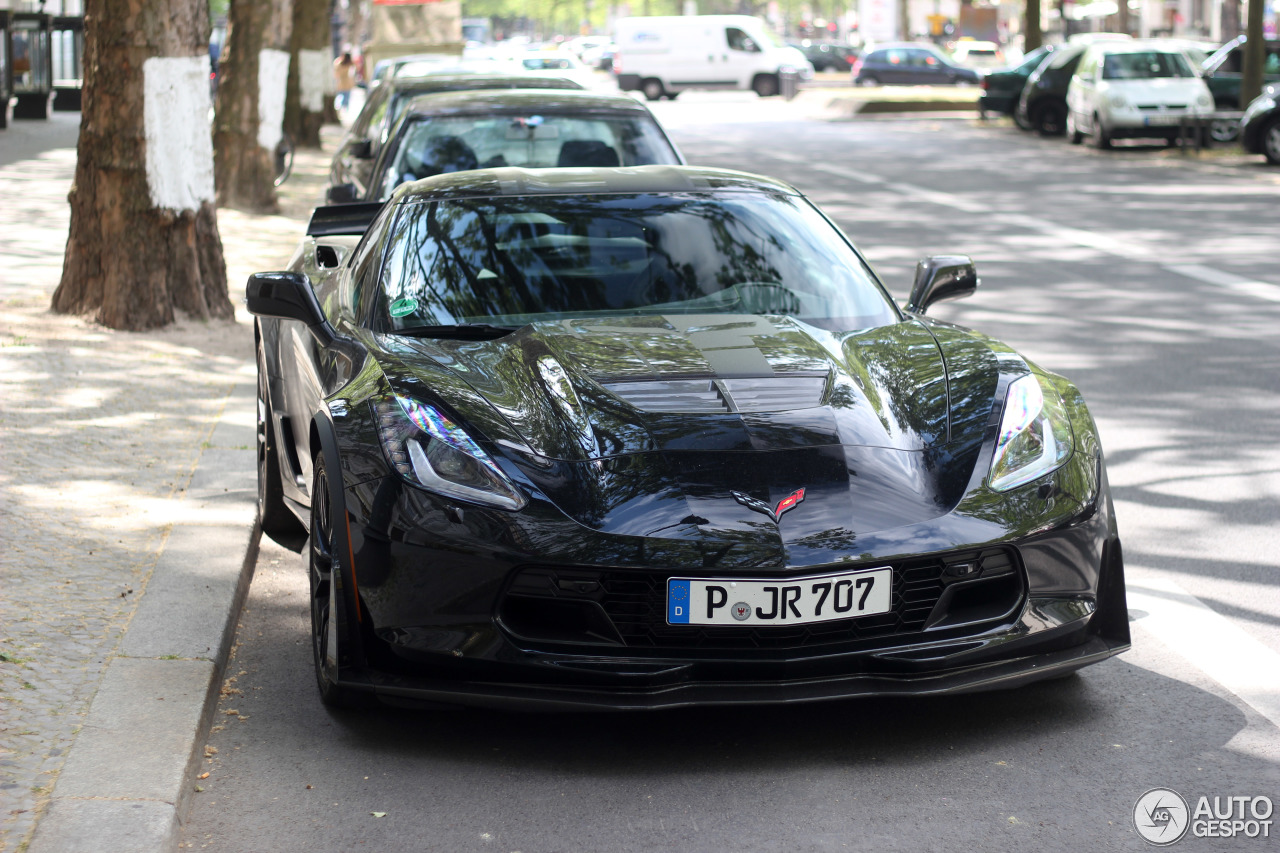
790, 601
1161, 119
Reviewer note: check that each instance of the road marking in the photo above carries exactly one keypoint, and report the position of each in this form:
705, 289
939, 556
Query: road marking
1210, 642
1123, 248
1260, 289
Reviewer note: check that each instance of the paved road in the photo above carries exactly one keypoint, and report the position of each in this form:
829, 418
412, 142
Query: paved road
1151, 284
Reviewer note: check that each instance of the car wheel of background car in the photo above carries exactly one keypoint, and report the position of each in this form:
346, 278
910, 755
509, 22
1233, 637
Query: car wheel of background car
1074, 136
277, 521
652, 89
1271, 142
766, 85
1224, 131
326, 629
1101, 139
867, 80
1051, 120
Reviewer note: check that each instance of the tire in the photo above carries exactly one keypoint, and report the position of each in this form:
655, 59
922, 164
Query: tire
328, 632
1224, 131
1074, 136
1270, 141
1051, 120
671, 96
1021, 120
277, 521
653, 89
1101, 139
866, 80
766, 85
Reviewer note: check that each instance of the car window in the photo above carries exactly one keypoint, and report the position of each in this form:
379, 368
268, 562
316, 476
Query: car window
892, 57
739, 40
1145, 65
1061, 58
520, 260
435, 145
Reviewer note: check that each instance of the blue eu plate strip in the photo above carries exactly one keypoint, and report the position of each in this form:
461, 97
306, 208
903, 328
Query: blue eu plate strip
678, 602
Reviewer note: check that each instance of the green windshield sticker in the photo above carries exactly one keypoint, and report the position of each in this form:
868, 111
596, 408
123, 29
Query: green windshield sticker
401, 307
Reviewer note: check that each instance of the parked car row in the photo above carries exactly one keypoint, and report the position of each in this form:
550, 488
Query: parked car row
569, 424
1116, 87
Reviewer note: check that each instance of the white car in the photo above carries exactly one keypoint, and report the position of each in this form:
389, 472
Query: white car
1129, 89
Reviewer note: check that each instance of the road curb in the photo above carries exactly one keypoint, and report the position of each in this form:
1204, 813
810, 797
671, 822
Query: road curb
129, 775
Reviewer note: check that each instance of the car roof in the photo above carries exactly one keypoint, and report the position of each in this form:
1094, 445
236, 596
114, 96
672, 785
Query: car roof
900, 45
522, 100
1137, 46
512, 182
465, 82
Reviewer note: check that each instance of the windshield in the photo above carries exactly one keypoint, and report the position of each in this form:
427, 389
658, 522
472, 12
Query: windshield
433, 146
1145, 65
511, 261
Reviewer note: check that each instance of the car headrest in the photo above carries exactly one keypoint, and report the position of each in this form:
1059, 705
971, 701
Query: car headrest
586, 152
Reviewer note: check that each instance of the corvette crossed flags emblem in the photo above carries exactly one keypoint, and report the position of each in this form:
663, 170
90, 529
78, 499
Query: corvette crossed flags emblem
789, 502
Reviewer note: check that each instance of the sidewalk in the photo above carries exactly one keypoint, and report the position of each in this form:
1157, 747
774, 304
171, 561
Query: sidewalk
128, 499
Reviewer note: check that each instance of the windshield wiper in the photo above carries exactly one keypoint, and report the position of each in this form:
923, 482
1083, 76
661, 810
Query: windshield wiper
459, 331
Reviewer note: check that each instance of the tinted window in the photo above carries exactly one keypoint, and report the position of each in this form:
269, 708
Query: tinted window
516, 260
739, 40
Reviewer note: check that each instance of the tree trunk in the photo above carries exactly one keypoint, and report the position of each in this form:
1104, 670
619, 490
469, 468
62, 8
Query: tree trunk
144, 232
1032, 34
310, 70
253, 76
1255, 55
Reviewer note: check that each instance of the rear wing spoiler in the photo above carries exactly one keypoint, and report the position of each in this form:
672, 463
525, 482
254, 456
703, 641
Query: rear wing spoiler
350, 219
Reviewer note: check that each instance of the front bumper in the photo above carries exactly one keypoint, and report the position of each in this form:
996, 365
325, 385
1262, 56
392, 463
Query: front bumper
436, 628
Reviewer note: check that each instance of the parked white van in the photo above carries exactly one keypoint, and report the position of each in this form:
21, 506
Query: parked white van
666, 55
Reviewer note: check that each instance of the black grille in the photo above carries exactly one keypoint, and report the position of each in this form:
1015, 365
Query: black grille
635, 602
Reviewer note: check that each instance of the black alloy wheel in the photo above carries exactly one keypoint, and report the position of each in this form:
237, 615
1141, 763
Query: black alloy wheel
277, 521
326, 629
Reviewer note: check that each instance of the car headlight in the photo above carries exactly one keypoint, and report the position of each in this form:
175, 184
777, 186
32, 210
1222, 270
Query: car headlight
1035, 434
1204, 100
1118, 101
431, 451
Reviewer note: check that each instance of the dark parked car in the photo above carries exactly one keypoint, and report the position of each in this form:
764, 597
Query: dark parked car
911, 64
827, 56
530, 128
364, 139
1001, 89
652, 437
1222, 72
1260, 127
1043, 103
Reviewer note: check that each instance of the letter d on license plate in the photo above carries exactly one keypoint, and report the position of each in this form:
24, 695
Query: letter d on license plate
779, 601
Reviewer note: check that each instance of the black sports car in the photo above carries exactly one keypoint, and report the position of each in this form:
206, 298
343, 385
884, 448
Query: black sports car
656, 436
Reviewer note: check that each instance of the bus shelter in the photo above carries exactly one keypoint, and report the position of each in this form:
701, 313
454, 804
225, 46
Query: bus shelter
29, 40
68, 61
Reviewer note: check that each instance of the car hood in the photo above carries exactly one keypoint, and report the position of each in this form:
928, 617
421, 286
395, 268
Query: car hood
650, 423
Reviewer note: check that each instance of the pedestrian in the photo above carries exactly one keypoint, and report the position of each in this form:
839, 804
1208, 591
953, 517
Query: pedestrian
344, 69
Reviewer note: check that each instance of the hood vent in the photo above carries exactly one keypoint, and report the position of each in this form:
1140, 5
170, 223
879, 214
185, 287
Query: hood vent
710, 396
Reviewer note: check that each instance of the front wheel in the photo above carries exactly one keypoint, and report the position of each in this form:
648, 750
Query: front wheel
1052, 120
1224, 131
1101, 139
653, 89
324, 566
1271, 142
766, 85
867, 80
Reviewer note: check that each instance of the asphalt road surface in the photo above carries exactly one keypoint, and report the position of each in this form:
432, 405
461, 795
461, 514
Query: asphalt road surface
1149, 279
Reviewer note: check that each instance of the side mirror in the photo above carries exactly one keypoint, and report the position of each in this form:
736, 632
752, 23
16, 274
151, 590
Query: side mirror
341, 194
287, 295
941, 278
361, 149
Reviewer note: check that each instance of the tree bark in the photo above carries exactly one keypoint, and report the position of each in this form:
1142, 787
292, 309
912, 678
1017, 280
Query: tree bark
1032, 33
134, 254
1255, 55
310, 69
245, 134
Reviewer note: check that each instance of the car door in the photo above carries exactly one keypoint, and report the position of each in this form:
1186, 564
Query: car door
739, 63
1082, 90
926, 69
